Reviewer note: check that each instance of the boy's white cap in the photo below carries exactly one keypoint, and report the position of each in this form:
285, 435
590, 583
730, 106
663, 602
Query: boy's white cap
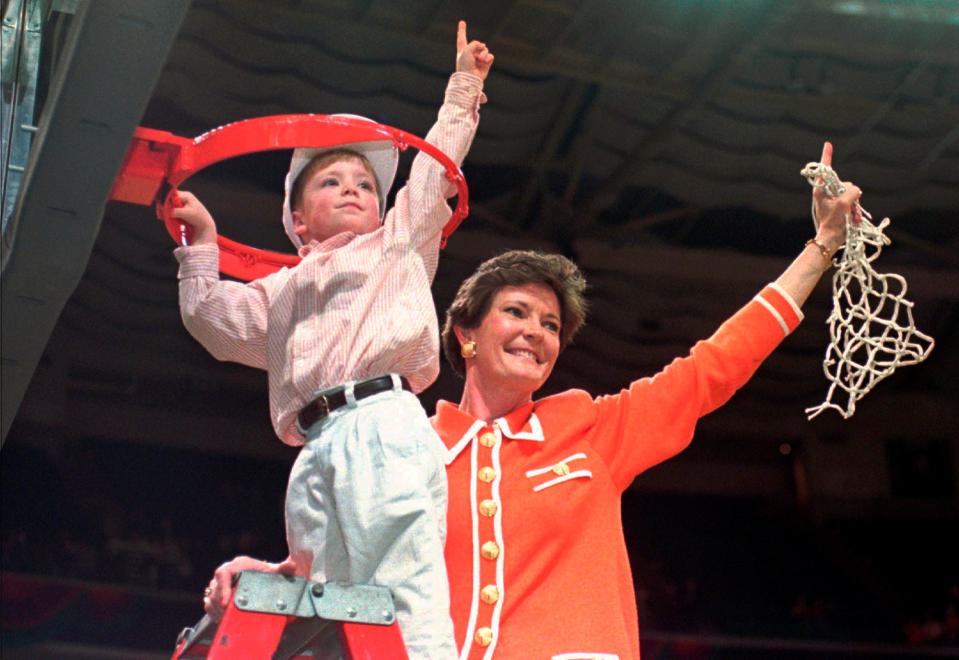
382, 154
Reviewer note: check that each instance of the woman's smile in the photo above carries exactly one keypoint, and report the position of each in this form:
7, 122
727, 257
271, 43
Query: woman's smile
525, 354
518, 340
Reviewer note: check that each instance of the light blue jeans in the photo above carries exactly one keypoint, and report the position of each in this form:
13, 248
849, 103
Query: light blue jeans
366, 504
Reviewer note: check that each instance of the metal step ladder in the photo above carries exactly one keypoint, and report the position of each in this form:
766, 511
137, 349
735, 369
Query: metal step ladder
284, 617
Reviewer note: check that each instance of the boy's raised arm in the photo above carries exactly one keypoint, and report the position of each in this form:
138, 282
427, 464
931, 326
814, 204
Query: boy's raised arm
228, 318
422, 202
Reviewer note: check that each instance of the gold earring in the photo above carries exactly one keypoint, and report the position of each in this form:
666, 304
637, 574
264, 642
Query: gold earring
468, 349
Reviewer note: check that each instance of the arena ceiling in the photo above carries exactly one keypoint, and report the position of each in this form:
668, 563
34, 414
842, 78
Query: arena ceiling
657, 143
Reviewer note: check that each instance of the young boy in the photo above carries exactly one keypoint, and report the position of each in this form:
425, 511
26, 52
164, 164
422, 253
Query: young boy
347, 337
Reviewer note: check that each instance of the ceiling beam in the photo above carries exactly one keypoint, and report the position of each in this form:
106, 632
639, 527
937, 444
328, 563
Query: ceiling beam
852, 145
570, 111
85, 128
950, 139
741, 38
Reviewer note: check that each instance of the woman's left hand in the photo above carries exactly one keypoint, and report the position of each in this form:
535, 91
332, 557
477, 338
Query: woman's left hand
217, 595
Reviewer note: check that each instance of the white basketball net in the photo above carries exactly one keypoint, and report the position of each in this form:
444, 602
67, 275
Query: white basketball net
871, 328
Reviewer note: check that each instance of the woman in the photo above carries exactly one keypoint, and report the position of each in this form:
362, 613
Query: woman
535, 549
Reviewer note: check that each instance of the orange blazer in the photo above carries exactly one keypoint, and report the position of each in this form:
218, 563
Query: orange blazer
535, 550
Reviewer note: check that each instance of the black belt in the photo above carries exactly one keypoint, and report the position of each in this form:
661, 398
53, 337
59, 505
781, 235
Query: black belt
326, 403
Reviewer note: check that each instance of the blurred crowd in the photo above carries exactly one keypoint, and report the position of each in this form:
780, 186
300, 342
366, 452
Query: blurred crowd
164, 519
135, 515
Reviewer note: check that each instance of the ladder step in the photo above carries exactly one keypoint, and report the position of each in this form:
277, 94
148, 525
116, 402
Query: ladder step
286, 618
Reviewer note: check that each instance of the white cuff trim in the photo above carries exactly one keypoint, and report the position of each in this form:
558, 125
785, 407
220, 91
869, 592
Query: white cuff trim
789, 299
775, 314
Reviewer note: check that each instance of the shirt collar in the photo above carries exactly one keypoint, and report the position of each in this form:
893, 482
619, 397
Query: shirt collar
457, 428
330, 244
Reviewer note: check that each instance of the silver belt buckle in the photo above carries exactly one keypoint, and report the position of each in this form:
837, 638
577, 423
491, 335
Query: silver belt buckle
324, 406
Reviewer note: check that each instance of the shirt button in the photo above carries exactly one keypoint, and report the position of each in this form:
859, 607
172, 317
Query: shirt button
489, 594
561, 469
484, 637
486, 474
488, 439
488, 508
489, 550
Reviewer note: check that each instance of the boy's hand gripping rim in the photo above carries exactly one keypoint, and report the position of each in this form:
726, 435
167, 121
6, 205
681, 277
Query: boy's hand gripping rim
158, 162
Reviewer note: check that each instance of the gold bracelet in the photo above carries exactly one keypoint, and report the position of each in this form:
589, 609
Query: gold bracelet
823, 250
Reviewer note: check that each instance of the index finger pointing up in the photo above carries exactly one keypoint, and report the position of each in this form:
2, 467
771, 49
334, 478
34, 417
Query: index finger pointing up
826, 158
461, 36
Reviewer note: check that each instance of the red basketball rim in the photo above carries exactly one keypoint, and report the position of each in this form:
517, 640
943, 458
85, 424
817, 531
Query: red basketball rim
287, 132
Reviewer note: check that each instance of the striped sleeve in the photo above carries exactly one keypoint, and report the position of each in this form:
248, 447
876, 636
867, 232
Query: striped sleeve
229, 319
781, 307
422, 203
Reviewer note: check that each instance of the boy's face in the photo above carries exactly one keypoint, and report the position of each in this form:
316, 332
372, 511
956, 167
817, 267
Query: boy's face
337, 198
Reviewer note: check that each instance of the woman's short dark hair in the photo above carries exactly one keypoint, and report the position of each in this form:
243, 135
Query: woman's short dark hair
515, 268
